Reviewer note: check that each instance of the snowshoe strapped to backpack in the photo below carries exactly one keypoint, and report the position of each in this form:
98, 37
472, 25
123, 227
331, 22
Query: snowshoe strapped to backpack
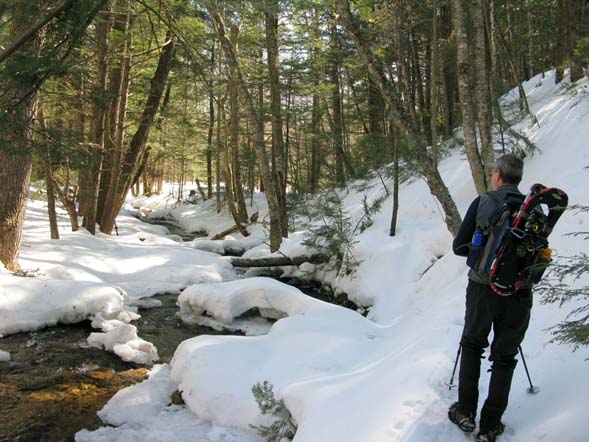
512, 250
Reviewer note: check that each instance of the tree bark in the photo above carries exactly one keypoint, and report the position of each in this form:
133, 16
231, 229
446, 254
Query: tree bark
279, 153
315, 146
483, 99
434, 84
211, 129
466, 93
233, 148
116, 121
276, 261
15, 172
396, 142
49, 181
337, 135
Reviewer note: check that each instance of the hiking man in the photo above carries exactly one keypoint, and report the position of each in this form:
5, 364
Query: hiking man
508, 315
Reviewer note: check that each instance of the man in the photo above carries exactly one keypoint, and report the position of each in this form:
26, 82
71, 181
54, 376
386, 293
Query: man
508, 315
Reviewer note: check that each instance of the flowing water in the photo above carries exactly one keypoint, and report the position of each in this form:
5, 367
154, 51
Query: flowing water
55, 383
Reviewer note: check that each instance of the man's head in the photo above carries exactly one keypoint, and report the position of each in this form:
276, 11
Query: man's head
509, 169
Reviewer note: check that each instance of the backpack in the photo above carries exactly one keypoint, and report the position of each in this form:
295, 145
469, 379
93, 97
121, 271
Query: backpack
488, 237
512, 250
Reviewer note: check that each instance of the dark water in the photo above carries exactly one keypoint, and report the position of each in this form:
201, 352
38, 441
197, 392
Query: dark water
175, 229
55, 384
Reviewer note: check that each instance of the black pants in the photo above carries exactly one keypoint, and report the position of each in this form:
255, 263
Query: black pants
509, 316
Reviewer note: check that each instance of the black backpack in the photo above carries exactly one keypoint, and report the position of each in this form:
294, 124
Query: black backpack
512, 251
487, 238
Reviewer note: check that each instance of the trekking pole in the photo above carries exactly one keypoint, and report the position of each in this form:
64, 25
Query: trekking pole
531, 388
451, 384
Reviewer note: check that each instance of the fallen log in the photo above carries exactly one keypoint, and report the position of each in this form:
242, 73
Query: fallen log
277, 261
236, 228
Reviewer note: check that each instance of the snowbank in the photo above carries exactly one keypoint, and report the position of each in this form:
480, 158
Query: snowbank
143, 413
141, 260
141, 401
32, 303
315, 344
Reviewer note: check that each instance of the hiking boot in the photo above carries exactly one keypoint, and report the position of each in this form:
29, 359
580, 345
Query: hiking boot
491, 435
464, 421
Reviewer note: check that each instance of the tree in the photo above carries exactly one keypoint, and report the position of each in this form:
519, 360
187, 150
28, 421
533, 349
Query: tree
259, 142
18, 120
136, 151
279, 154
428, 168
563, 285
467, 104
34, 53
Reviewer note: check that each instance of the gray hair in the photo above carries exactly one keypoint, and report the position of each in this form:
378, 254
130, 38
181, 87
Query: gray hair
511, 168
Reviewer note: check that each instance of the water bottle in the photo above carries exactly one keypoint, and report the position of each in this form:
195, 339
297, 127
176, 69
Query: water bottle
478, 239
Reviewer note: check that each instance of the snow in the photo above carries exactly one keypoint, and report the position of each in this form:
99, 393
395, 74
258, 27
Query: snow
99, 278
143, 412
342, 376
4, 356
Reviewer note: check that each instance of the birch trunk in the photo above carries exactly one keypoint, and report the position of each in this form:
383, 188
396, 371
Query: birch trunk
483, 98
466, 92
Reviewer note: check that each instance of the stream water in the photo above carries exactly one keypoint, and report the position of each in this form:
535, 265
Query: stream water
55, 383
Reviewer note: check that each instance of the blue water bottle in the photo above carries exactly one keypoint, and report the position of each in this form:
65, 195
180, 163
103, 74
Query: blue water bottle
478, 239
477, 243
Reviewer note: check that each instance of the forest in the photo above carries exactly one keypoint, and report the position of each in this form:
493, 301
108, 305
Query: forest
102, 98
238, 220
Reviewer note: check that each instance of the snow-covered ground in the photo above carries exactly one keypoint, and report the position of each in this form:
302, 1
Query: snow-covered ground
342, 376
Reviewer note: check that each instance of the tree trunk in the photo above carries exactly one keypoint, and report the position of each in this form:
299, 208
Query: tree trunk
396, 142
422, 119
434, 84
90, 179
429, 170
219, 150
15, 172
49, 185
483, 99
136, 151
233, 148
49, 181
575, 14
315, 168
117, 119
225, 161
247, 101
466, 94
279, 154
211, 129
337, 135
276, 261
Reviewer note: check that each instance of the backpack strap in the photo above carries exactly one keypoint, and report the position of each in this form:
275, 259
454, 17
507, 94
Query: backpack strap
486, 210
